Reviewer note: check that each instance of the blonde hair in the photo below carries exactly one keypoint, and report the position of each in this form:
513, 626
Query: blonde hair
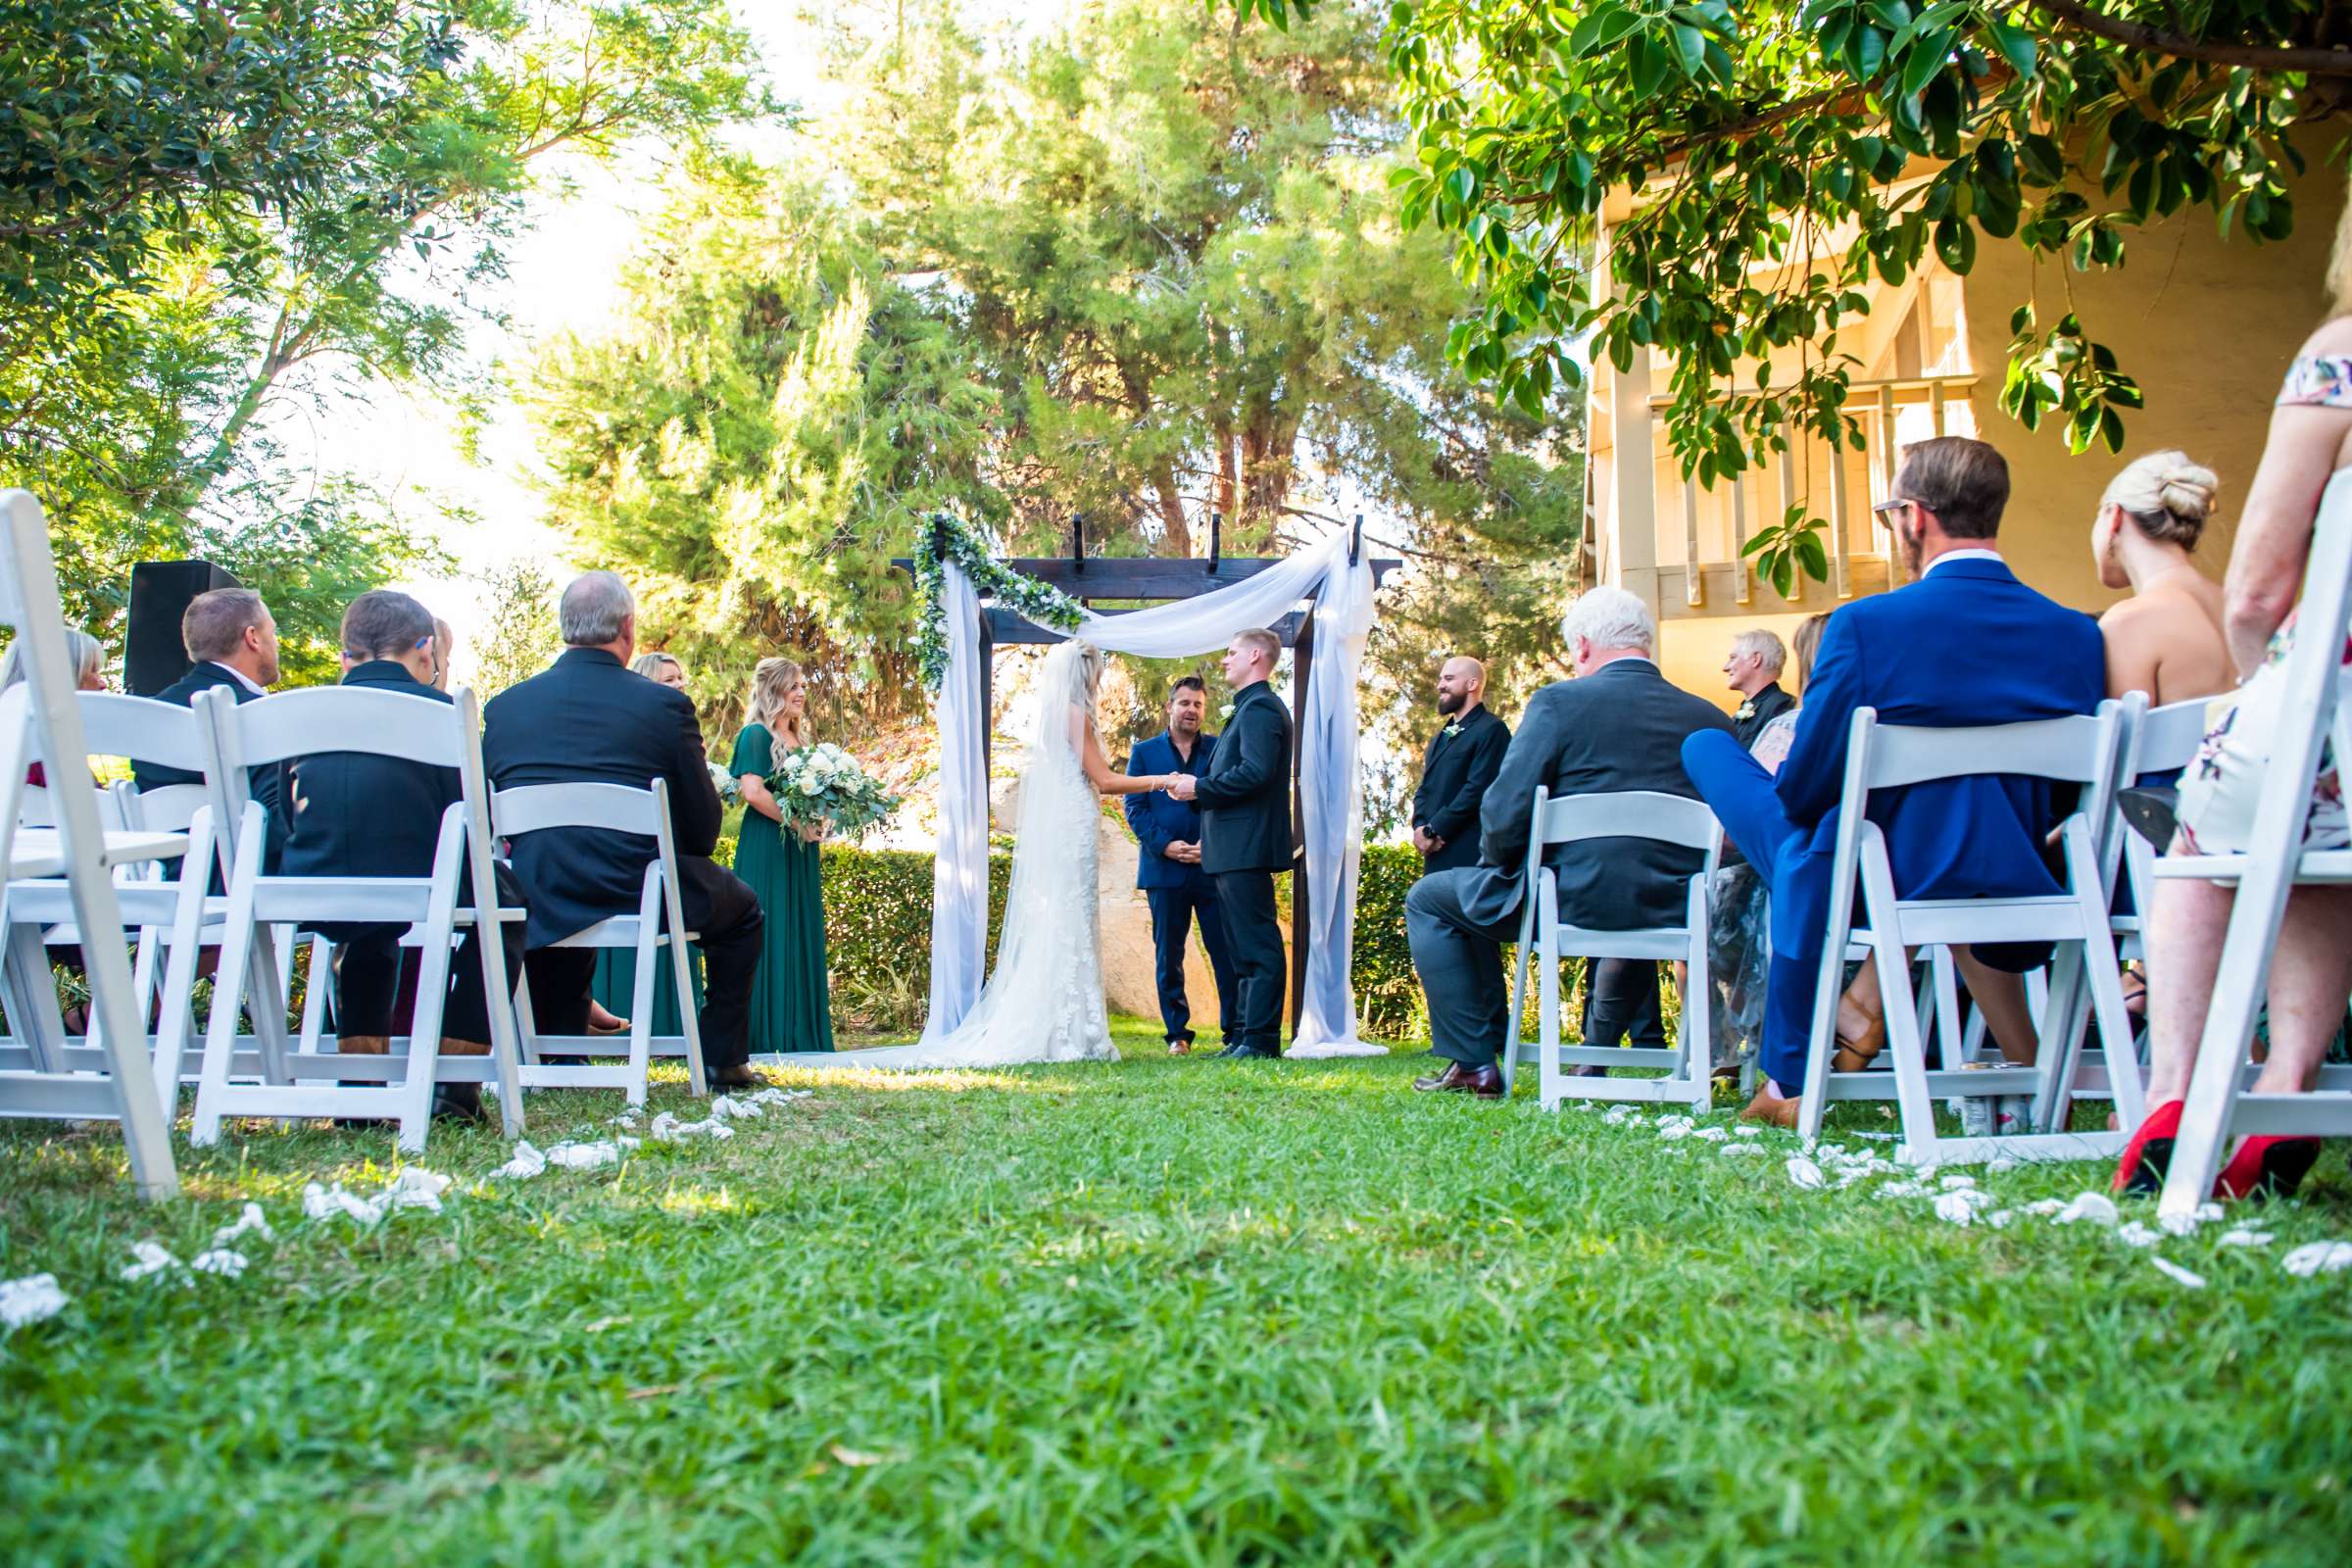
1806, 641
774, 680
649, 665
2166, 497
1265, 642
2340, 266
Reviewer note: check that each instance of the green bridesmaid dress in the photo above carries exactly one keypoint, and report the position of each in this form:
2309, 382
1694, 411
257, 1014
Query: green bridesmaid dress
792, 1008
616, 986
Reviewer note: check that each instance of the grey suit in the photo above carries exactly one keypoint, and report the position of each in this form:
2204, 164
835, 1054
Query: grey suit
1620, 728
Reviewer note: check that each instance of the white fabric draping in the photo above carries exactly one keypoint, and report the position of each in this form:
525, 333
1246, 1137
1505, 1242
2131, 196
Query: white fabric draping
960, 871
1329, 794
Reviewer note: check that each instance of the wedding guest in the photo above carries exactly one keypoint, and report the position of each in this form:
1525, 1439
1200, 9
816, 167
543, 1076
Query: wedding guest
233, 639
1246, 840
1618, 725
1168, 868
587, 719
1770, 746
1753, 670
2165, 639
355, 814
88, 657
1462, 760
2311, 963
792, 1007
661, 668
1943, 652
445, 644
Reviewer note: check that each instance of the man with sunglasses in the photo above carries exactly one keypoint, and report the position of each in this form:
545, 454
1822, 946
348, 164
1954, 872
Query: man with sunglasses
1965, 644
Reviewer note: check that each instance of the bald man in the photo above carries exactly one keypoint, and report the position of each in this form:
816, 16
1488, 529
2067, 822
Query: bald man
1463, 758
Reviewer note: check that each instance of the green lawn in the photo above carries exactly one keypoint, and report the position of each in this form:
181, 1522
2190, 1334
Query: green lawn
1185, 1311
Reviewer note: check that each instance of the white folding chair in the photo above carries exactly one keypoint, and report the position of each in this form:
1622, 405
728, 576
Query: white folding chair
306, 1080
660, 923
2273, 863
170, 915
1544, 939
2084, 751
40, 721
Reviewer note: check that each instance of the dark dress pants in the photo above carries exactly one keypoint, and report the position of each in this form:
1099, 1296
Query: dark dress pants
368, 977
1621, 999
1254, 939
722, 909
1173, 910
1458, 956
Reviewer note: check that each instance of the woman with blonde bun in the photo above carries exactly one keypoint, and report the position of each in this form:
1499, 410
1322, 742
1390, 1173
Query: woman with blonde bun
2166, 639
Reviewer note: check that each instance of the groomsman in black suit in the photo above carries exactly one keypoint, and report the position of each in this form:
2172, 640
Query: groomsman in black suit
1619, 725
1463, 760
233, 639
358, 814
588, 718
1246, 840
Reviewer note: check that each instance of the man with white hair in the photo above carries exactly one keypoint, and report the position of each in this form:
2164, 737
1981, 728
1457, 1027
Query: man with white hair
1618, 725
590, 720
1753, 670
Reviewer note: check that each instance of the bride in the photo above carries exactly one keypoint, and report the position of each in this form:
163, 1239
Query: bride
1044, 1001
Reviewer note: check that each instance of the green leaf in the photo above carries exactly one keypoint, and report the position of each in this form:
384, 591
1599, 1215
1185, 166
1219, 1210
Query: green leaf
2015, 44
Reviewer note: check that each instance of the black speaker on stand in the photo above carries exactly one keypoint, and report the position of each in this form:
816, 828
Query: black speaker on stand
153, 656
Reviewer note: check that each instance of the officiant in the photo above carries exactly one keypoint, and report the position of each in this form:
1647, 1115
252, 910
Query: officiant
1463, 758
1168, 870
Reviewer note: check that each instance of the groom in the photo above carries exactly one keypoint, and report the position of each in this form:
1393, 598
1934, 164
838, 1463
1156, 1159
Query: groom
1244, 798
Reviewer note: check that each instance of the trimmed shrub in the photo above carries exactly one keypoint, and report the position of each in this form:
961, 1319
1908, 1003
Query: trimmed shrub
878, 933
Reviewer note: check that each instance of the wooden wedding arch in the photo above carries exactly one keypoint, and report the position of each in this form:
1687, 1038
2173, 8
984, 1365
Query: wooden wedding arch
1157, 581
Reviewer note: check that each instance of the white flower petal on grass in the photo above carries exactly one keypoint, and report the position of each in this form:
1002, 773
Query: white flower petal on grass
2097, 1207
325, 1202
416, 1188
584, 1156
1955, 1209
1669, 1132
251, 1220
2045, 1205
2207, 1212
1954, 1184
1999, 1218
2135, 1234
151, 1259
225, 1261
2176, 1224
1747, 1132
1802, 1172
527, 1162
1744, 1149
666, 1128
2318, 1257
1713, 1135
2242, 1237
35, 1298
2194, 1282
726, 1107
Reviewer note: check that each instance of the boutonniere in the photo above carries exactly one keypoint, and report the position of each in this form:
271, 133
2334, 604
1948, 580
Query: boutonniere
1453, 729
1225, 714
1747, 709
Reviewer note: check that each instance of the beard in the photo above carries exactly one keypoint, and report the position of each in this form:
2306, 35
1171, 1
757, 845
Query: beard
1914, 543
1450, 704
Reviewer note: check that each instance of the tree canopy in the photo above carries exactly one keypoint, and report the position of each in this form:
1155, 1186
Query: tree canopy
212, 215
1141, 268
1852, 138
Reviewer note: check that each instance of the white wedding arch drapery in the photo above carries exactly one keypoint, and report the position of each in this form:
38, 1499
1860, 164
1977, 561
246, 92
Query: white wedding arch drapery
1330, 789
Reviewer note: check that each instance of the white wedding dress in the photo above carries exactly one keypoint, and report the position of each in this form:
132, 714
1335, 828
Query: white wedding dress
1043, 999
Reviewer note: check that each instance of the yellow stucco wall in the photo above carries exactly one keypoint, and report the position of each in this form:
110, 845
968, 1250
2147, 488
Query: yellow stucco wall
1690, 653
2207, 328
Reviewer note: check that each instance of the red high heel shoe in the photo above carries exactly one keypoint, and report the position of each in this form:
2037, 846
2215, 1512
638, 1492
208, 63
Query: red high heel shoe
2141, 1172
2267, 1167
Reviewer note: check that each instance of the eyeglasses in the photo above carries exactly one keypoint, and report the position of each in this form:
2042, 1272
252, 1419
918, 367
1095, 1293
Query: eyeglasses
1879, 510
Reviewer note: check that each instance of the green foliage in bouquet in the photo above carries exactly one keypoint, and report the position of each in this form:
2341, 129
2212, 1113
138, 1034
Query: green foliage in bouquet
953, 539
826, 785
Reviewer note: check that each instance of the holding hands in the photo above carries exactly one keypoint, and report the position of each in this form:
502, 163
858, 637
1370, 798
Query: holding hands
1180, 786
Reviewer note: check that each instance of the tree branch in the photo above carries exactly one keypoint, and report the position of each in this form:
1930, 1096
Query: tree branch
2155, 40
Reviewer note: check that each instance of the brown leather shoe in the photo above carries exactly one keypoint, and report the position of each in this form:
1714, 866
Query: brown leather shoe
1771, 1109
451, 1046
362, 1045
1856, 1055
1483, 1083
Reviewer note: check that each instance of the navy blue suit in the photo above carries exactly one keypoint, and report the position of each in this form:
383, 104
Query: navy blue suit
1966, 645
1177, 891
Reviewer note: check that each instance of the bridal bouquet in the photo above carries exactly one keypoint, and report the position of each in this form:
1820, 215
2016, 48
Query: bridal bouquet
823, 785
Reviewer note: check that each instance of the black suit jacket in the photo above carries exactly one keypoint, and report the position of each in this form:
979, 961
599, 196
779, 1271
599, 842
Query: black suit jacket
1245, 794
1768, 705
267, 785
355, 814
1619, 728
1453, 779
588, 718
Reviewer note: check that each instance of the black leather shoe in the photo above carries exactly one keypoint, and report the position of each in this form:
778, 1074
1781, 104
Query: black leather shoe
2153, 813
1483, 1083
458, 1102
1241, 1053
742, 1077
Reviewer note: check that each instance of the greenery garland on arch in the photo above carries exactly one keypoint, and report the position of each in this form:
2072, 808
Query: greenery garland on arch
950, 538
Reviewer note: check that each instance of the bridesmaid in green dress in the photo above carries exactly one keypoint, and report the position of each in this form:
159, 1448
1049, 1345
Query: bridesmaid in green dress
792, 1008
